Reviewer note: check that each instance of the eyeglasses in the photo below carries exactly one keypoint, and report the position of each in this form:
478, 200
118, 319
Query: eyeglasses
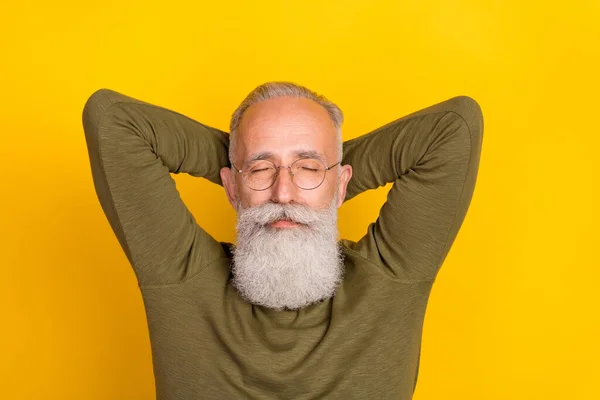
306, 173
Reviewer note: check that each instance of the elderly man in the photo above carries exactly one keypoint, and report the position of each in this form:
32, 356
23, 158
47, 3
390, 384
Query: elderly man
291, 311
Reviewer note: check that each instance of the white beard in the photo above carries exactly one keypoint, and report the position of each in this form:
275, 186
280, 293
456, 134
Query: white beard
287, 268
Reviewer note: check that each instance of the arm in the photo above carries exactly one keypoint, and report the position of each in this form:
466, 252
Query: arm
432, 157
133, 147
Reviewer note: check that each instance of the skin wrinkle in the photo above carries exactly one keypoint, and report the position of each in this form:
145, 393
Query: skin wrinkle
304, 153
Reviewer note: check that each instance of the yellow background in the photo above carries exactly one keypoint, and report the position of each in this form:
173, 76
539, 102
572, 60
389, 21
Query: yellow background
514, 312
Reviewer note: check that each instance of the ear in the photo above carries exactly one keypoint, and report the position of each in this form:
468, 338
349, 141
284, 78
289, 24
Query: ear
229, 185
345, 177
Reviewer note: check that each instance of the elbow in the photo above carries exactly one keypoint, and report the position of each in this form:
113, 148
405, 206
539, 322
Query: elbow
98, 102
95, 107
470, 111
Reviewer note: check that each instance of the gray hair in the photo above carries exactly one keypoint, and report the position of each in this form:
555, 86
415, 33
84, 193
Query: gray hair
273, 90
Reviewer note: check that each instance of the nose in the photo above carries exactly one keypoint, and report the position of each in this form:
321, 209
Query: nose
283, 190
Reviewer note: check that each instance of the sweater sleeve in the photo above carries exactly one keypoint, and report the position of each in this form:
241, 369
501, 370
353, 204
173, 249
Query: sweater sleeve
133, 147
432, 158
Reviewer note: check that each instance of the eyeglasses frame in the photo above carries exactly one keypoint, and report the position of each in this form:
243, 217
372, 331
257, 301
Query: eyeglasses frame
289, 168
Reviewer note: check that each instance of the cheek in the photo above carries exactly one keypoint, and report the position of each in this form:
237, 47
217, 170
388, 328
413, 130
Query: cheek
251, 198
331, 192
320, 198
247, 197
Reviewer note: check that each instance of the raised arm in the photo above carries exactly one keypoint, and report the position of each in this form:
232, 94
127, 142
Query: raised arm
133, 147
432, 157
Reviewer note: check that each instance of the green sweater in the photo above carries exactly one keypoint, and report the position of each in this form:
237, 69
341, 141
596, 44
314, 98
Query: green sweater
207, 342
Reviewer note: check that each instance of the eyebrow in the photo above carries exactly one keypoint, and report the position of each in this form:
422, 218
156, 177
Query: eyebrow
268, 155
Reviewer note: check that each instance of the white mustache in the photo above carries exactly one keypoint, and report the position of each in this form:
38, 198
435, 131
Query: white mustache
269, 213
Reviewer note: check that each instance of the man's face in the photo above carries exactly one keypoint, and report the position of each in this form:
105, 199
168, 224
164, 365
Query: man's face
284, 130
287, 255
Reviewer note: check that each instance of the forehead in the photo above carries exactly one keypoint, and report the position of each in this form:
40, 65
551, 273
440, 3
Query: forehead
285, 127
